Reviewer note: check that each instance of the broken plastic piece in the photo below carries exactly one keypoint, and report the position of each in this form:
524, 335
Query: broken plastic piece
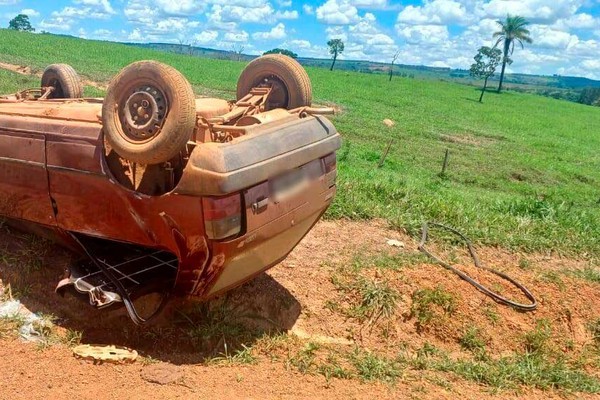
97, 353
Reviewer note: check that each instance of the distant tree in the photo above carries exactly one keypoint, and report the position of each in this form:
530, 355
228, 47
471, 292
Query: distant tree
486, 62
392, 66
590, 96
285, 52
20, 23
513, 29
336, 47
238, 50
182, 45
191, 47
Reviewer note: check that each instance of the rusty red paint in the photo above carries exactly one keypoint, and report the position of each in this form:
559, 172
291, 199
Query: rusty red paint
54, 172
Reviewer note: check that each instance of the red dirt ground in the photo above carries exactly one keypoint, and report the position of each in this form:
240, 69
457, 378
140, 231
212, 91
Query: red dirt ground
294, 295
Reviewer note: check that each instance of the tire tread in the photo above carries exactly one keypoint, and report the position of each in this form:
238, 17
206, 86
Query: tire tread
287, 69
179, 124
69, 79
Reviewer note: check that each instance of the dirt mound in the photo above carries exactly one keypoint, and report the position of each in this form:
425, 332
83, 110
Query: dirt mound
567, 302
25, 70
19, 69
346, 315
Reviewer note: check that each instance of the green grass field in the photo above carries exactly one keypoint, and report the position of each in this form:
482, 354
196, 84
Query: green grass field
524, 170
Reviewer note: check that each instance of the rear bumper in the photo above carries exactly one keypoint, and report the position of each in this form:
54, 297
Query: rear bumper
249, 165
217, 169
238, 261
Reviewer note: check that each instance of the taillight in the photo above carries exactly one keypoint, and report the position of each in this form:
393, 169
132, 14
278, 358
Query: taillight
222, 216
330, 162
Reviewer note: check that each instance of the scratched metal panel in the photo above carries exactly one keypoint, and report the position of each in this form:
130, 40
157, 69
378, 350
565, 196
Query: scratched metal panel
74, 155
98, 206
23, 178
22, 147
24, 124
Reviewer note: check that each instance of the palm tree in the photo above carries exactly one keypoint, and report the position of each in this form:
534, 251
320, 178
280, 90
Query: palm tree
513, 30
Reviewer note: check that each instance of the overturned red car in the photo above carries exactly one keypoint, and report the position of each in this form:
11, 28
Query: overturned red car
162, 191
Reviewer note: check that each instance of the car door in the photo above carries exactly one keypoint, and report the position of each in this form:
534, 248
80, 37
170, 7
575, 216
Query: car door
24, 190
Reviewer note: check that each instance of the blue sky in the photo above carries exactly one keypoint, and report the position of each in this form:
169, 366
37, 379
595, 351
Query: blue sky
443, 33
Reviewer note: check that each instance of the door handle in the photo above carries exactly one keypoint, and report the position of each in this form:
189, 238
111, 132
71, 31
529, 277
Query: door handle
260, 205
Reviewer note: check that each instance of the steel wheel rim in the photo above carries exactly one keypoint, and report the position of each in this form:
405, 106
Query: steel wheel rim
142, 114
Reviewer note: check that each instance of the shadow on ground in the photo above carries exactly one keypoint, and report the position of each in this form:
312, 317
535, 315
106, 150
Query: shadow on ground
186, 332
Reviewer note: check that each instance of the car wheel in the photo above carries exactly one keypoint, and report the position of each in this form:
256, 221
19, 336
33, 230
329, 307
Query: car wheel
64, 80
291, 87
149, 113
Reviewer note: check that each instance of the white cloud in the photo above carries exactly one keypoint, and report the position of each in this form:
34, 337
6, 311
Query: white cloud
337, 12
370, 4
298, 43
206, 37
57, 23
81, 9
534, 10
100, 34
589, 67
246, 14
103, 5
591, 64
364, 40
336, 32
239, 37
436, 12
173, 24
252, 11
547, 37
137, 11
136, 35
424, 34
30, 12
286, 14
79, 13
366, 32
308, 9
277, 32
578, 21
179, 7
440, 64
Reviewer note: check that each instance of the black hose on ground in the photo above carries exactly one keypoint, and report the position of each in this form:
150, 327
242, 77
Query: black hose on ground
498, 298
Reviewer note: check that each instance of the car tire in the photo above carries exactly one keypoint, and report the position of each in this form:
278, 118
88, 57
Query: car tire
64, 79
149, 113
290, 82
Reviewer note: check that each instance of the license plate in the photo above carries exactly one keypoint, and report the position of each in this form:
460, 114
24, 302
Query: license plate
289, 184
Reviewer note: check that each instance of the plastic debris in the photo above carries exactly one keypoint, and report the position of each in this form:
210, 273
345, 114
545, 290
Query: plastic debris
101, 353
396, 243
30, 322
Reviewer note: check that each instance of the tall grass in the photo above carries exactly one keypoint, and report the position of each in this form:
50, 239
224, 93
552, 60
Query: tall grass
523, 169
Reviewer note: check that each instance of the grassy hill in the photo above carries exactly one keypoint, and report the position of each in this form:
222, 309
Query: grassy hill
557, 86
523, 169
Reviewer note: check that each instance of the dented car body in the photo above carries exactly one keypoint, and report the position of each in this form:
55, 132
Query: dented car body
248, 186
